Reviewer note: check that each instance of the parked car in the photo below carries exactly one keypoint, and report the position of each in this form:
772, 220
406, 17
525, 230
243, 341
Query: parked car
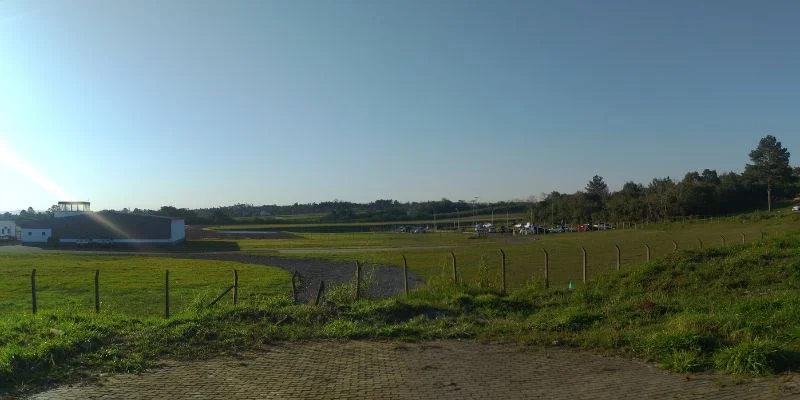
796, 208
583, 228
102, 242
82, 242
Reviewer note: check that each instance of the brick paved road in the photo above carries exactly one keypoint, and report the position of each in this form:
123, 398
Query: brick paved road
433, 370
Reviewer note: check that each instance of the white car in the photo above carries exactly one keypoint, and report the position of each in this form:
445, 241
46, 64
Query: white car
796, 208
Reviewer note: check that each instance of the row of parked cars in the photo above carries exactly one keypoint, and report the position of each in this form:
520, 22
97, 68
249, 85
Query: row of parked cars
93, 242
528, 228
413, 229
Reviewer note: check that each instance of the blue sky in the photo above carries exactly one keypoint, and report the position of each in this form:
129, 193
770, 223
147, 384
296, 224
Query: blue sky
205, 103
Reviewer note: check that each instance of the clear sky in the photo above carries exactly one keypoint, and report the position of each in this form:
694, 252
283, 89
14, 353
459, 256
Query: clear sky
204, 103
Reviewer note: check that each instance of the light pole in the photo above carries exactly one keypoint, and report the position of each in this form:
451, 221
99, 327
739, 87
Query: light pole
458, 221
492, 216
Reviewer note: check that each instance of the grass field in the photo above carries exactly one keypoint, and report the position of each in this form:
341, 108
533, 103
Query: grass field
479, 259
465, 223
129, 285
733, 309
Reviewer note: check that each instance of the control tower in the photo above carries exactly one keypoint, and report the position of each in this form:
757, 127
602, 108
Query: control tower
70, 208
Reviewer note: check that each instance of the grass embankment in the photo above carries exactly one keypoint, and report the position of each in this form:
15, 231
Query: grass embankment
735, 309
130, 285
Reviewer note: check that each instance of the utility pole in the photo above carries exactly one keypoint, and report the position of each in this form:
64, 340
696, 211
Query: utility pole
458, 220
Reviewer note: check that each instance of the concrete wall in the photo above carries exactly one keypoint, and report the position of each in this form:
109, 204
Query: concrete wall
36, 235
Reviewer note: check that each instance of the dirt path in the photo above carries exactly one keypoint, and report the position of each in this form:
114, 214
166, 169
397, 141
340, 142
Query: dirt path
432, 370
383, 281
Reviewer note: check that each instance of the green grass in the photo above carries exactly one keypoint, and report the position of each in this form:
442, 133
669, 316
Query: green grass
131, 285
735, 309
429, 254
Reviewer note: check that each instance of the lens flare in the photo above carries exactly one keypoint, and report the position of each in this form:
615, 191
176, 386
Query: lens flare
8, 157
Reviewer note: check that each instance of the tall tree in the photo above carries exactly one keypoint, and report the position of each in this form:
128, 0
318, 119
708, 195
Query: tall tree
595, 198
597, 187
770, 165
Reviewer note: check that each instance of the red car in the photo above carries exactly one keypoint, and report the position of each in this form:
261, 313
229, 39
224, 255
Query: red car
583, 228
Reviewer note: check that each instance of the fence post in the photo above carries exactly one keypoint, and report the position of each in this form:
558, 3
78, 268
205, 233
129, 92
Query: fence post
166, 295
546, 269
503, 270
455, 273
97, 291
319, 292
723, 240
294, 286
584, 264
618, 256
647, 252
33, 290
700, 243
358, 280
235, 287
762, 234
743, 238
674, 245
405, 274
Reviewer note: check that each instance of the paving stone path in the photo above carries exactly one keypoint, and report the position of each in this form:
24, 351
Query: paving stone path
432, 370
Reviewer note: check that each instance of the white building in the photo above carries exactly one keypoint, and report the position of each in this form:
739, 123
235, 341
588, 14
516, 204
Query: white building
8, 230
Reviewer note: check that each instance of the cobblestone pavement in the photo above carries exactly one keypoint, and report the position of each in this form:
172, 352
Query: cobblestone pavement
431, 370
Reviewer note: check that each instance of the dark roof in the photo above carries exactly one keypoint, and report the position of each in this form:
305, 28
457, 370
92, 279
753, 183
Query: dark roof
106, 225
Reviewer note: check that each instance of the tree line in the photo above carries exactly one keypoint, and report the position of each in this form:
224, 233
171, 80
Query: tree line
767, 177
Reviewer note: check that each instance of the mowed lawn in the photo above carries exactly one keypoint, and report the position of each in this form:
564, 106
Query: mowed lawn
130, 285
479, 259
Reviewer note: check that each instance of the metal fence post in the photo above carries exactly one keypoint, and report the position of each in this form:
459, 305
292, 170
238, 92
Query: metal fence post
546, 269
700, 243
319, 292
294, 286
584, 264
405, 274
97, 291
723, 240
674, 245
358, 281
503, 270
166, 295
619, 253
647, 252
235, 287
33, 290
743, 238
455, 272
